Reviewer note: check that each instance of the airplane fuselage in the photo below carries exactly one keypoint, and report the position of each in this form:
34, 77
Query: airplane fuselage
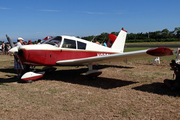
59, 49
51, 56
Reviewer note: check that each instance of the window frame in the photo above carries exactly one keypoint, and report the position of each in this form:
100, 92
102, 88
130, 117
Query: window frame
82, 43
69, 47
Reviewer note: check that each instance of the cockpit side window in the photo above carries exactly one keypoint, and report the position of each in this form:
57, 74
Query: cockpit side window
54, 41
81, 45
69, 44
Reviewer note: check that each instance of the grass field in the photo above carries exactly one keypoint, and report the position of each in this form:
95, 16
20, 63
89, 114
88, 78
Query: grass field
176, 42
132, 90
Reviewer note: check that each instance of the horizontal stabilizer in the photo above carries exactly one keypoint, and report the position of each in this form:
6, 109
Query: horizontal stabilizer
160, 51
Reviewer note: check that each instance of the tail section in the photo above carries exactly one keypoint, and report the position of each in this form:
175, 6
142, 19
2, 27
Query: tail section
119, 43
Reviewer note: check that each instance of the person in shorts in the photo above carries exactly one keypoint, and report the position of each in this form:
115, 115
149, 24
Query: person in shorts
17, 65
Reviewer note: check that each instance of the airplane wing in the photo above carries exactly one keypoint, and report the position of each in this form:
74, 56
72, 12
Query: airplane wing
107, 58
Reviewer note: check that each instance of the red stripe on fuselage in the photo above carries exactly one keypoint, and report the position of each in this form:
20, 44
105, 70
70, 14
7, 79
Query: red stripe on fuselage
50, 57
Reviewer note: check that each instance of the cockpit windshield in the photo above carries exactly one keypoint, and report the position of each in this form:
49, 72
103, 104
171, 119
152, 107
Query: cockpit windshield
56, 41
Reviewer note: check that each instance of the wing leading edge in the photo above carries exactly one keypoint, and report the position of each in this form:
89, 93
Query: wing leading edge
107, 58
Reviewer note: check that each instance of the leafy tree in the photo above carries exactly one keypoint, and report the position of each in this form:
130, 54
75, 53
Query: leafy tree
115, 33
89, 38
131, 36
102, 37
156, 36
165, 33
177, 32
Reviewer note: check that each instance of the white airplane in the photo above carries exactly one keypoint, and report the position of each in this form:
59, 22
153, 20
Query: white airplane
71, 51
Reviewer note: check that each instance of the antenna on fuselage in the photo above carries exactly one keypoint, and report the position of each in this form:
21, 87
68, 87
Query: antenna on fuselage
93, 38
103, 40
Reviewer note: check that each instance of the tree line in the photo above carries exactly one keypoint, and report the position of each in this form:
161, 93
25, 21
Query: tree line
157, 36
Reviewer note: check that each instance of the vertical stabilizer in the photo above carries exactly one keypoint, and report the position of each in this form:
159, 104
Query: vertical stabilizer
119, 43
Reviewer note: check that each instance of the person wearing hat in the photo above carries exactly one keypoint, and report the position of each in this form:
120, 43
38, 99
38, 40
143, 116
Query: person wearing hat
17, 65
29, 42
174, 84
19, 41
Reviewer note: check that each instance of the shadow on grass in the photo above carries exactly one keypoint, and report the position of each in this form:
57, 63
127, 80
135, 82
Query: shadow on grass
11, 78
75, 76
8, 70
8, 80
97, 67
158, 88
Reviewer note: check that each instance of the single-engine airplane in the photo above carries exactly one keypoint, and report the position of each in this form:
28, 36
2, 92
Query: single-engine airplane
72, 51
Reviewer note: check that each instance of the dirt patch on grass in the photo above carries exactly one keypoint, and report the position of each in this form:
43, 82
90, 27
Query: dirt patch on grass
132, 90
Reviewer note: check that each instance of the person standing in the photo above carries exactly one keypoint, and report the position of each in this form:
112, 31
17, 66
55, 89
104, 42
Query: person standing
39, 41
25, 43
105, 44
29, 42
3, 47
17, 65
96, 41
6, 49
108, 43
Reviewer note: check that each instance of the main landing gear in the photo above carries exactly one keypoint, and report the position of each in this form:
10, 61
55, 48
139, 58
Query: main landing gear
92, 74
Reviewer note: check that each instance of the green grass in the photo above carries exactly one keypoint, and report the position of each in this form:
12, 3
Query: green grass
135, 49
138, 48
175, 42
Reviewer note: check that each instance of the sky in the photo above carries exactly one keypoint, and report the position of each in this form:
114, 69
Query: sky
36, 19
